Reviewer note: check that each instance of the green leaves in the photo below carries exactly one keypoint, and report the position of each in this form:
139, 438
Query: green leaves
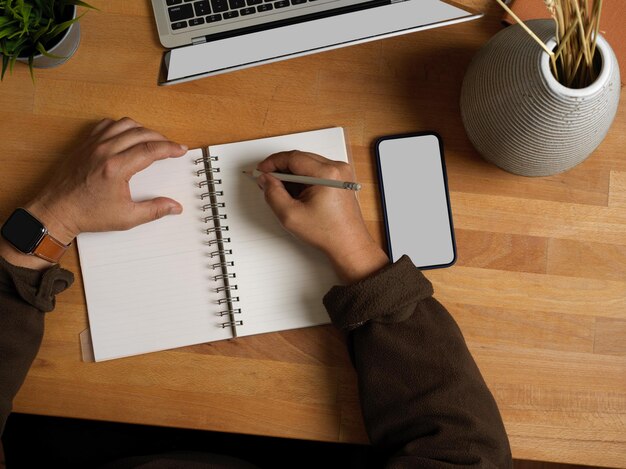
30, 27
5, 64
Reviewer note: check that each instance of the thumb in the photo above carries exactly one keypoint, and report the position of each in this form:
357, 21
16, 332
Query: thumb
276, 196
152, 210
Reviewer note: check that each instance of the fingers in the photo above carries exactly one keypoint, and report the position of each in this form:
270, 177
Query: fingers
150, 210
277, 197
100, 126
116, 128
296, 162
131, 137
142, 155
134, 146
125, 133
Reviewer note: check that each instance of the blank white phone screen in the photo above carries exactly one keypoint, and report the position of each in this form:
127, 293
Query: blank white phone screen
417, 211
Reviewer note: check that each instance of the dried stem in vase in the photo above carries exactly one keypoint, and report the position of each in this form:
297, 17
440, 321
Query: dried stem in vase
577, 25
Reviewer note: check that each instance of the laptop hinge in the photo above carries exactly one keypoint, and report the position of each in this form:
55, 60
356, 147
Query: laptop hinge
198, 40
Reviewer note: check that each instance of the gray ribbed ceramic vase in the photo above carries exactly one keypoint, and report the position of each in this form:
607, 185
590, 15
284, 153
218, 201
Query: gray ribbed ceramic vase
519, 117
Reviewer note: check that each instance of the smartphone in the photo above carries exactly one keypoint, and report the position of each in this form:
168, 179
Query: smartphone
416, 205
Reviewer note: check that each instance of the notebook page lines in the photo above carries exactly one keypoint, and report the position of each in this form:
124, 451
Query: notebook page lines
281, 281
152, 288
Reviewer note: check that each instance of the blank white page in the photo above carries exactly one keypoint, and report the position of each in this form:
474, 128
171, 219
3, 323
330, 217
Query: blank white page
281, 281
151, 288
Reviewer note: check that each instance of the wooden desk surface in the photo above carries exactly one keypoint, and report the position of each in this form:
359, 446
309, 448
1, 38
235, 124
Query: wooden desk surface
539, 289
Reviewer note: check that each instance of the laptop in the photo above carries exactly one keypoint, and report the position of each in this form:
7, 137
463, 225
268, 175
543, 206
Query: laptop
208, 37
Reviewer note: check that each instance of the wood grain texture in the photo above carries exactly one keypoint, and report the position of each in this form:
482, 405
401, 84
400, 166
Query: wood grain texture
539, 289
617, 189
609, 336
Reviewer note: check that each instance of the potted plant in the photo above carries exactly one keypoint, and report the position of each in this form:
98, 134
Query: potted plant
540, 97
41, 33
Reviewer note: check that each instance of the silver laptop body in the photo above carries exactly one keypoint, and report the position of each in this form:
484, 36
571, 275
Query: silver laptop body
235, 47
186, 22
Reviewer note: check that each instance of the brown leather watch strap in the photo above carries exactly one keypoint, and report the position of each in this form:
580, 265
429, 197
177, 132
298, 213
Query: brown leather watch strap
50, 249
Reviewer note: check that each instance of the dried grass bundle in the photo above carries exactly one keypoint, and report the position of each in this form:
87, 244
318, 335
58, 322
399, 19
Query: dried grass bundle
574, 63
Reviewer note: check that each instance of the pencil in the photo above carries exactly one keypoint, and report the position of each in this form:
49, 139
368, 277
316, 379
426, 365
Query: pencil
311, 181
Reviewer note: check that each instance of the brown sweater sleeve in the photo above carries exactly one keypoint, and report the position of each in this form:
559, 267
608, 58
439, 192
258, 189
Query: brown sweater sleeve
424, 401
25, 295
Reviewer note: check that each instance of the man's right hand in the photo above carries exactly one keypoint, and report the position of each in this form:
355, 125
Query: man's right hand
327, 218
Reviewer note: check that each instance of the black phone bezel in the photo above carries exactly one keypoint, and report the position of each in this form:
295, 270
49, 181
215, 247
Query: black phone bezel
445, 182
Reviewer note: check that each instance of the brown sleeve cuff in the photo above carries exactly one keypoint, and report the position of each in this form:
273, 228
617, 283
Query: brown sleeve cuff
353, 305
37, 288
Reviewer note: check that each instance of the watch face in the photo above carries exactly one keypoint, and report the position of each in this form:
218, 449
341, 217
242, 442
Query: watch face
23, 231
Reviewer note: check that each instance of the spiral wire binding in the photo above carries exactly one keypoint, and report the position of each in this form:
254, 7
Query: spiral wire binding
214, 217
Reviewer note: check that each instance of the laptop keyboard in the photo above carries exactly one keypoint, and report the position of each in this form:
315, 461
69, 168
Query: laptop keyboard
187, 13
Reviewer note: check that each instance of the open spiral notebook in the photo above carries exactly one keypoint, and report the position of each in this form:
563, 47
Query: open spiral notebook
223, 268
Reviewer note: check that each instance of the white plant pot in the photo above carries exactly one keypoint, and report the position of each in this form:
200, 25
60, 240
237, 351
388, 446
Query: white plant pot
65, 47
519, 117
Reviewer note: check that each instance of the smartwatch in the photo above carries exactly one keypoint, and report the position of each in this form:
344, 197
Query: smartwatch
29, 236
